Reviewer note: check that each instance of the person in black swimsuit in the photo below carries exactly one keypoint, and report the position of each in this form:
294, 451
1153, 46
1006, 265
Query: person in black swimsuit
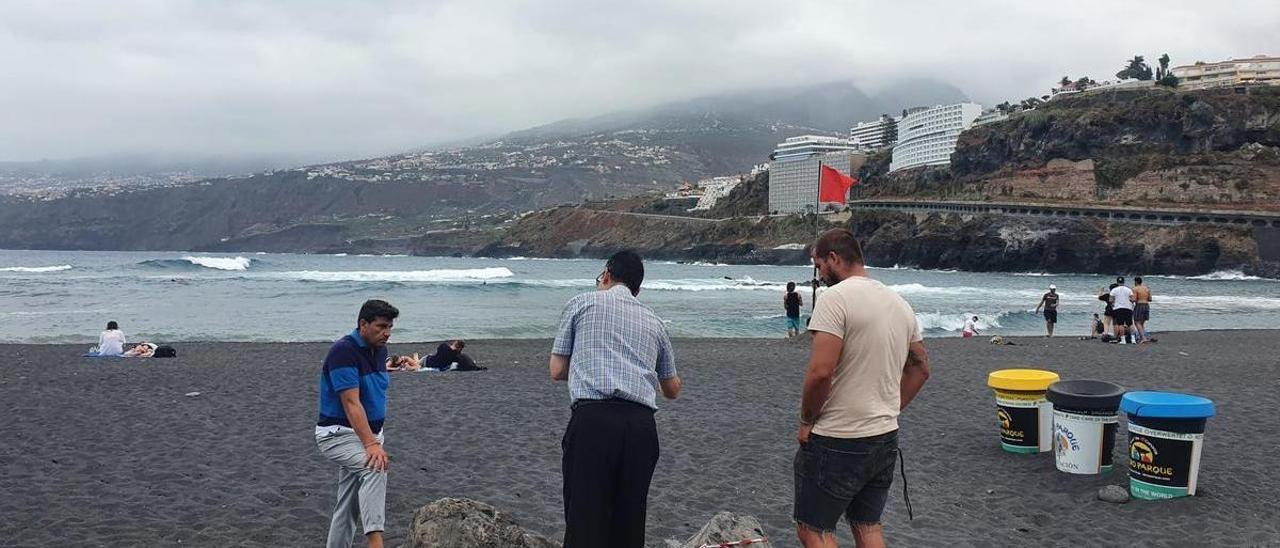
1050, 303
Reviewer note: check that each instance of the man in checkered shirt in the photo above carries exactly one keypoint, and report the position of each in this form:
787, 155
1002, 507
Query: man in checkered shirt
616, 354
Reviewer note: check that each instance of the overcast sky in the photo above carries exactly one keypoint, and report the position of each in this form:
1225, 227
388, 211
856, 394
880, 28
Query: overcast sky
314, 80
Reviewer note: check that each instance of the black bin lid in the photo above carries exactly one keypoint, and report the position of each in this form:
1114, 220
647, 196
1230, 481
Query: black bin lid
1086, 394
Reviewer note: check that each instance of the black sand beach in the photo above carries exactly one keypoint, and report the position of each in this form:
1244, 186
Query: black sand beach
111, 453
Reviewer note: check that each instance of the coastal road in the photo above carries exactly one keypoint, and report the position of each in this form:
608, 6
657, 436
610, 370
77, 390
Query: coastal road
1255, 219
657, 216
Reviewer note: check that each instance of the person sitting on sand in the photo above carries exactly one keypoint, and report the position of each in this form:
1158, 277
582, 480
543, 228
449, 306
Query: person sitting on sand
141, 350
447, 354
970, 328
111, 342
1098, 327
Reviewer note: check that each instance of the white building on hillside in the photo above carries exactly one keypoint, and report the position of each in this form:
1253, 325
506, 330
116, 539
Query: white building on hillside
990, 116
1256, 70
927, 137
715, 188
874, 135
793, 172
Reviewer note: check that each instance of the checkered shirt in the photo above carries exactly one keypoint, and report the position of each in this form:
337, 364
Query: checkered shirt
618, 347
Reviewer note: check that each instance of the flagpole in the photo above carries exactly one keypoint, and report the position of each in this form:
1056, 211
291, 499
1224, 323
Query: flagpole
817, 203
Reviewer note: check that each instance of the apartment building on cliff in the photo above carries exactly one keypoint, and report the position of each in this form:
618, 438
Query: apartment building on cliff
1256, 70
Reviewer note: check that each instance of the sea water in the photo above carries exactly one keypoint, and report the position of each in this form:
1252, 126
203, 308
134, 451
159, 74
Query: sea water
68, 296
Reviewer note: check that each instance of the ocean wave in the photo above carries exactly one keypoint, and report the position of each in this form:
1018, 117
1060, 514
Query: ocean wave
436, 275
36, 269
745, 283
189, 261
1228, 275
1214, 303
945, 321
937, 291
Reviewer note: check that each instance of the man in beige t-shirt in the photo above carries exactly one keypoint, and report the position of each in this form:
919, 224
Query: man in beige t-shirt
868, 362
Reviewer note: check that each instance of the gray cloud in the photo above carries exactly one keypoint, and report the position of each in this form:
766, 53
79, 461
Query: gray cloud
318, 80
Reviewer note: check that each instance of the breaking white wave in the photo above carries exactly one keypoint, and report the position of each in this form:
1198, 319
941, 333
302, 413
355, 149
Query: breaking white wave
745, 283
1228, 275
956, 291
939, 321
36, 269
220, 263
436, 275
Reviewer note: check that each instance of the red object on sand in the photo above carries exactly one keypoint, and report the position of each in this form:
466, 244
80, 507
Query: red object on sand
834, 186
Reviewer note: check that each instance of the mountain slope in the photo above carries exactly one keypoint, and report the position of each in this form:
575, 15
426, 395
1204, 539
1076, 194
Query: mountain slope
614, 155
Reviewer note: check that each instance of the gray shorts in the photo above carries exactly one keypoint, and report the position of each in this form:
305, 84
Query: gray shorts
843, 477
1141, 312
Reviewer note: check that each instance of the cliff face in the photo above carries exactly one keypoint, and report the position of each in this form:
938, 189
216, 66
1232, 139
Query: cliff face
970, 242
1215, 149
572, 232
1011, 244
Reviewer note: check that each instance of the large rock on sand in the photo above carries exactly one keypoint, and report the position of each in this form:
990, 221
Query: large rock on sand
464, 523
727, 527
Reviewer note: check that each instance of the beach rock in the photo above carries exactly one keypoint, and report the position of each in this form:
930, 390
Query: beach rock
465, 523
1114, 494
729, 527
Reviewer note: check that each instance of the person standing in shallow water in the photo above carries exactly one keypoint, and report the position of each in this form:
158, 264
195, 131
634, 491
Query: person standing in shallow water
867, 363
353, 407
1050, 303
792, 303
1141, 309
616, 354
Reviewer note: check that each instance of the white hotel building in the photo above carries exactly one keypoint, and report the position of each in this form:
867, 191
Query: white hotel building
793, 173
874, 135
928, 137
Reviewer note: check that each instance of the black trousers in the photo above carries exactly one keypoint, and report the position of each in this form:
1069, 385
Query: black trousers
465, 363
610, 450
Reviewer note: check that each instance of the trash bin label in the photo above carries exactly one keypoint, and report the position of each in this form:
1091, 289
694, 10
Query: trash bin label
1024, 422
1079, 441
1162, 465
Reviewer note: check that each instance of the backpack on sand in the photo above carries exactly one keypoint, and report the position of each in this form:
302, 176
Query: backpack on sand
165, 352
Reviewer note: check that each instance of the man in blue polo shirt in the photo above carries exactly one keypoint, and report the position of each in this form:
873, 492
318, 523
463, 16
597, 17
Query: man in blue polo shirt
353, 406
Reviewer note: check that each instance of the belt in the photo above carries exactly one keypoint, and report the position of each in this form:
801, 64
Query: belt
607, 401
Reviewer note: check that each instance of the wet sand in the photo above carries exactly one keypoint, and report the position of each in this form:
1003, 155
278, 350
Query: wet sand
112, 453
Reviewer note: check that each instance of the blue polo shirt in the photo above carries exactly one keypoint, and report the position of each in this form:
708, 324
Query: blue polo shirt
352, 363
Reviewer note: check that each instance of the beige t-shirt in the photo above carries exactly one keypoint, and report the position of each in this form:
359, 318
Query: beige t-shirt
877, 327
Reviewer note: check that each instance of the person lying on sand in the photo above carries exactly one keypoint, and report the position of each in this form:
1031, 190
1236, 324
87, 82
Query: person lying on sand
404, 363
449, 353
141, 350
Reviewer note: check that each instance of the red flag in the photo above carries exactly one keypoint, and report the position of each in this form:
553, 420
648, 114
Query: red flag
834, 186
